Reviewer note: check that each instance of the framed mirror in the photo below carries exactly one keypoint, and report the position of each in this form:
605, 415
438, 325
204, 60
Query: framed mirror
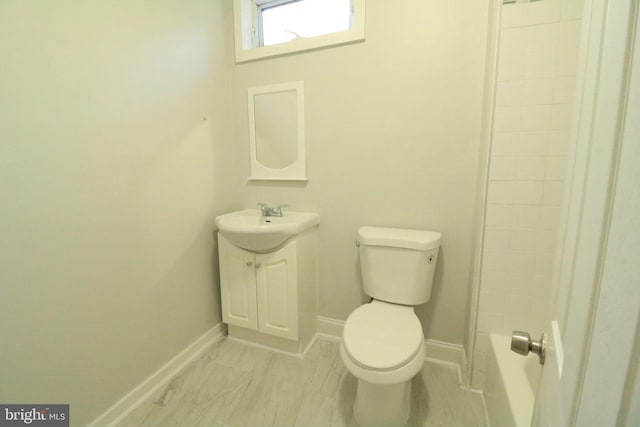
276, 132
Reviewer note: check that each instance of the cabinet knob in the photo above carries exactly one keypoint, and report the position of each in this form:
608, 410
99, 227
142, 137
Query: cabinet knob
249, 263
257, 265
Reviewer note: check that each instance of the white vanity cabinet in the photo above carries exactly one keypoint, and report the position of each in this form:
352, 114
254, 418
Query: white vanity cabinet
260, 291
270, 298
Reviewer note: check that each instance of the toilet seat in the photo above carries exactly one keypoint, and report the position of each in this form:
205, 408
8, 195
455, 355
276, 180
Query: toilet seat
382, 337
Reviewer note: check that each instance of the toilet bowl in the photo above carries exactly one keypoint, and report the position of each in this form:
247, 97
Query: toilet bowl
383, 347
382, 342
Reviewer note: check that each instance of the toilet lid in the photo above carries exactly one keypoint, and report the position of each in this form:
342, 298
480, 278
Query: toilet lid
382, 336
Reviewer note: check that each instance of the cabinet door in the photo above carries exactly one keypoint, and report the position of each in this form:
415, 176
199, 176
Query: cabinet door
277, 274
237, 285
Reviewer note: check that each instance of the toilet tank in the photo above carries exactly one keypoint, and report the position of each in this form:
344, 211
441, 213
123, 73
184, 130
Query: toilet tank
397, 264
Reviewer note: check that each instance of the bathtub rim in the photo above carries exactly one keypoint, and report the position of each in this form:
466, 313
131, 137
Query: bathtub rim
519, 388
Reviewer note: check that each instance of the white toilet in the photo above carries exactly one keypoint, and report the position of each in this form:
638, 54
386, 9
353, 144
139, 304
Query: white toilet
382, 342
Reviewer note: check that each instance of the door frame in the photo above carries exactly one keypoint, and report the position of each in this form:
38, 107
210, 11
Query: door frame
596, 299
605, 207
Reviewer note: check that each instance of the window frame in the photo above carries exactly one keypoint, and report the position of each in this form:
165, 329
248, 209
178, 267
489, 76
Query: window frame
247, 31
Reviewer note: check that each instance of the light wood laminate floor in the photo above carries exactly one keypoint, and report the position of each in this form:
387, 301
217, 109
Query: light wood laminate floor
239, 385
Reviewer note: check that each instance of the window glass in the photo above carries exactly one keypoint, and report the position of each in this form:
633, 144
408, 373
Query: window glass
302, 19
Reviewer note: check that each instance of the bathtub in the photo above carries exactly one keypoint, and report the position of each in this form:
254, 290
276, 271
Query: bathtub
510, 384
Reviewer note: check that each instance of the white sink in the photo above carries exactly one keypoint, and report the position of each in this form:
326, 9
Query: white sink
249, 230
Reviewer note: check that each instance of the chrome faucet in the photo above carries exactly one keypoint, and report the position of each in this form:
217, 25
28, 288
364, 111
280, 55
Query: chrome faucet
267, 210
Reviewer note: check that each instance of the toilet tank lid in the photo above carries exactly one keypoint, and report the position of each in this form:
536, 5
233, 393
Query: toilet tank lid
399, 238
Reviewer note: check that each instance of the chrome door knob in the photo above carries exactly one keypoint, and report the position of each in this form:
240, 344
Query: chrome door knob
522, 343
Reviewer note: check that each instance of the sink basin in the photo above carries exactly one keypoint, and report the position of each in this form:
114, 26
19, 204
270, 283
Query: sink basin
249, 230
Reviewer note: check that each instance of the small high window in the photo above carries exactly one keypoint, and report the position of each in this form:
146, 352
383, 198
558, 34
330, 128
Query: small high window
284, 20
266, 28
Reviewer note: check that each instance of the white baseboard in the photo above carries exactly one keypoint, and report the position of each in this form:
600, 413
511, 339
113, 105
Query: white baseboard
114, 415
275, 349
328, 328
444, 352
437, 351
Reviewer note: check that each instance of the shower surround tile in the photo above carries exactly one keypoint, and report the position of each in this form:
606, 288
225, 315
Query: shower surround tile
529, 148
237, 385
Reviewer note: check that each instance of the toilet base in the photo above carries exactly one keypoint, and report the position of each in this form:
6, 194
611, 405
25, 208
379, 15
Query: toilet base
382, 405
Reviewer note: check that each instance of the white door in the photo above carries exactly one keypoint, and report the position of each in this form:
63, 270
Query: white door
237, 285
278, 292
592, 331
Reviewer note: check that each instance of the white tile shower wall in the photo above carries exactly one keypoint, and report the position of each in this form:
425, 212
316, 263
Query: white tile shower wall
537, 64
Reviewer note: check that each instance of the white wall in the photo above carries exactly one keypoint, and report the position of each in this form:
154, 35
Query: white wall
393, 134
537, 64
110, 180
